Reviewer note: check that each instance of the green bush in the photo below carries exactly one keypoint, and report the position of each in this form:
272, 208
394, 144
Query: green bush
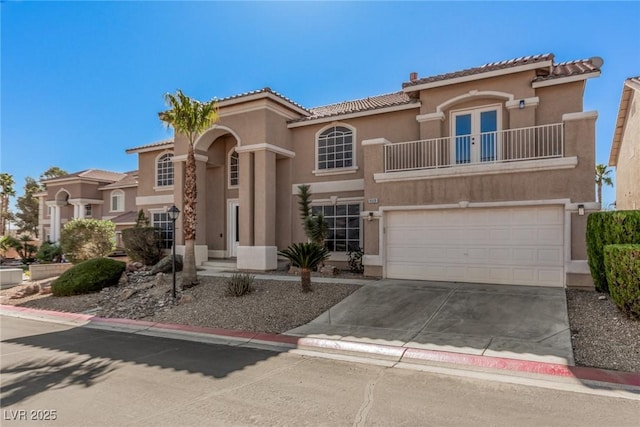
88, 276
142, 244
240, 284
86, 238
622, 263
49, 252
609, 228
355, 260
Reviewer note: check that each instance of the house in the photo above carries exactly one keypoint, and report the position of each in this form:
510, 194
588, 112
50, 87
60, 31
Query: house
625, 150
91, 193
482, 175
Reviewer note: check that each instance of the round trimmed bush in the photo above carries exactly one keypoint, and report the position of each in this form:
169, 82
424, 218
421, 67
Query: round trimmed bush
88, 276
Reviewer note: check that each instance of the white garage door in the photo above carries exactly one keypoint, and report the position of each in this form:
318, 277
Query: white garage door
518, 246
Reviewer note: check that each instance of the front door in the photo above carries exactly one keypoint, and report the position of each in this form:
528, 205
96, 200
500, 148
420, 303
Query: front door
233, 231
475, 136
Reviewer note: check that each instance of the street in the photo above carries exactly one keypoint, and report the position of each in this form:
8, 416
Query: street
53, 374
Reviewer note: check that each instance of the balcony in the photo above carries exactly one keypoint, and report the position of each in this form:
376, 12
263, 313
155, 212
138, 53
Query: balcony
506, 146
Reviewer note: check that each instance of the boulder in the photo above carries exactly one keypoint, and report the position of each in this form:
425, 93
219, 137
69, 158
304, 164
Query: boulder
164, 265
330, 270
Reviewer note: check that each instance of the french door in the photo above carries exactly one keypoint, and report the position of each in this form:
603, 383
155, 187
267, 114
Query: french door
475, 135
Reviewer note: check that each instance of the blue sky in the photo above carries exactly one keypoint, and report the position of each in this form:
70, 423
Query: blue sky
83, 81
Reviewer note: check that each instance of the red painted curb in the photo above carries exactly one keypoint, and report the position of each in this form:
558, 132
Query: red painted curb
386, 351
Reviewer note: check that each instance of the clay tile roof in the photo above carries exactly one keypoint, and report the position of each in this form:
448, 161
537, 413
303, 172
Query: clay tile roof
130, 179
573, 68
492, 66
358, 105
96, 174
263, 90
127, 217
158, 144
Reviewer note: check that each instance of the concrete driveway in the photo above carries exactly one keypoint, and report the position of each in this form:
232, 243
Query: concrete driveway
518, 322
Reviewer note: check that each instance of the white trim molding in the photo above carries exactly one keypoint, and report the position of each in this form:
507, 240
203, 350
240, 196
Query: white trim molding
266, 146
332, 186
336, 171
87, 201
579, 116
375, 141
154, 200
479, 169
354, 115
528, 102
472, 94
479, 76
438, 115
563, 80
183, 158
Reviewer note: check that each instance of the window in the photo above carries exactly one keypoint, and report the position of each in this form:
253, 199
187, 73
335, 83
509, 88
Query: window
87, 211
344, 225
234, 169
117, 201
335, 148
164, 225
164, 170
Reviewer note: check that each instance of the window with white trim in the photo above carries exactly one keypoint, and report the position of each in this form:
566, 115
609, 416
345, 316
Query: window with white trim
335, 148
344, 225
234, 169
117, 201
164, 170
164, 225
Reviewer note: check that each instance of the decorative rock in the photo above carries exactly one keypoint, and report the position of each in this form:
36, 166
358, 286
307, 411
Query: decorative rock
126, 294
329, 270
124, 279
31, 290
165, 265
294, 270
185, 299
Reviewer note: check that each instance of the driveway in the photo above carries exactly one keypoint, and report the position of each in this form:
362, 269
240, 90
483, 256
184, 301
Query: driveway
519, 322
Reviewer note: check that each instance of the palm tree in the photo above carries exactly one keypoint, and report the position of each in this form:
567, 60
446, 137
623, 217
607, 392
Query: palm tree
6, 191
602, 177
189, 117
306, 256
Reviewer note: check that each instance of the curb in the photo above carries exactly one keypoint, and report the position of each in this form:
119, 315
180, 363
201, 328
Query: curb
279, 342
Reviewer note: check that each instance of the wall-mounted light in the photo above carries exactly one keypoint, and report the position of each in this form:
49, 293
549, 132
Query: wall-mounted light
581, 210
370, 217
521, 104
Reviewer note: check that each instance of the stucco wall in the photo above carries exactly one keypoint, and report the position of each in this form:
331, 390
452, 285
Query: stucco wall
628, 168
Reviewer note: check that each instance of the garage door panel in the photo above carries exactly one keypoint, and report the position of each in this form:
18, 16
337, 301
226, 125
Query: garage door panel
502, 245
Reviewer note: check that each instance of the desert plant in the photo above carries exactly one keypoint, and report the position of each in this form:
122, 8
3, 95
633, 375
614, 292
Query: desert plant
602, 178
190, 118
622, 265
24, 247
142, 220
609, 228
88, 276
142, 244
240, 284
306, 256
49, 252
85, 238
315, 226
355, 260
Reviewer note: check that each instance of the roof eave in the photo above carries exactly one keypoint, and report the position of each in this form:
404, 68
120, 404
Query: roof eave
621, 120
147, 148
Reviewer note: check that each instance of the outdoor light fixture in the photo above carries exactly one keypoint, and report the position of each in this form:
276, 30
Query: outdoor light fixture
173, 213
370, 217
521, 105
580, 210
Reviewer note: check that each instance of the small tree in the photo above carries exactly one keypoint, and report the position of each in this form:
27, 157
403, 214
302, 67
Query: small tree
28, 207
602, 178
85, 238
307, 257
315, 226
142, 220
24, 247
6, 191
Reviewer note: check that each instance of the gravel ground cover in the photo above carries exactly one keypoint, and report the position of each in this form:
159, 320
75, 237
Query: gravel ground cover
601, 335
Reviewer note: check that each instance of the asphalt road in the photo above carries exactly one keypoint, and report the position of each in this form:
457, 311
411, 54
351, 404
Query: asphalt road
82, 376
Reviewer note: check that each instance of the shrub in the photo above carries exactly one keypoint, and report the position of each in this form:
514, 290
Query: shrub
49, 252
355, 260
86, 238
609, 228
142, 244
240, 284
88, 276
306, 256
622, 264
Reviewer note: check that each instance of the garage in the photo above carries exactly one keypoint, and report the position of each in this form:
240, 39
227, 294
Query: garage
513, 246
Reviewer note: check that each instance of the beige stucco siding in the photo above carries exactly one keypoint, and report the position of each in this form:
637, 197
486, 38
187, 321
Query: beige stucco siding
558, 100
628, 167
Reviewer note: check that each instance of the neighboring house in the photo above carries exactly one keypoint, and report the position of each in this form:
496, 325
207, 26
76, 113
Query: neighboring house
625, 150
481, 175
92, 193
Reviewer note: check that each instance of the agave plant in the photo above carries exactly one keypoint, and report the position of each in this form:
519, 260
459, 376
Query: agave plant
305, 256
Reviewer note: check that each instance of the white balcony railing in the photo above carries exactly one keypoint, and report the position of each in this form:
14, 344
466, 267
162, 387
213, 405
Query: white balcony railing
537, 142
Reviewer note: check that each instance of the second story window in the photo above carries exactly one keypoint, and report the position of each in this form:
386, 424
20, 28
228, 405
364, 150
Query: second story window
234, 169
335, 148
164, 170
117, 201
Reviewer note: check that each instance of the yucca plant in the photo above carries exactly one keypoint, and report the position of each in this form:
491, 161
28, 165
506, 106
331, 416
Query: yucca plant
240, 284
305, 256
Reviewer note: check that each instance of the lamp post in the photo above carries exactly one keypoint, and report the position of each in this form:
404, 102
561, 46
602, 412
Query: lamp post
173, 213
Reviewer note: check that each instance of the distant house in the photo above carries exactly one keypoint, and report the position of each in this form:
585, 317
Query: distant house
625, 150
471, 176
